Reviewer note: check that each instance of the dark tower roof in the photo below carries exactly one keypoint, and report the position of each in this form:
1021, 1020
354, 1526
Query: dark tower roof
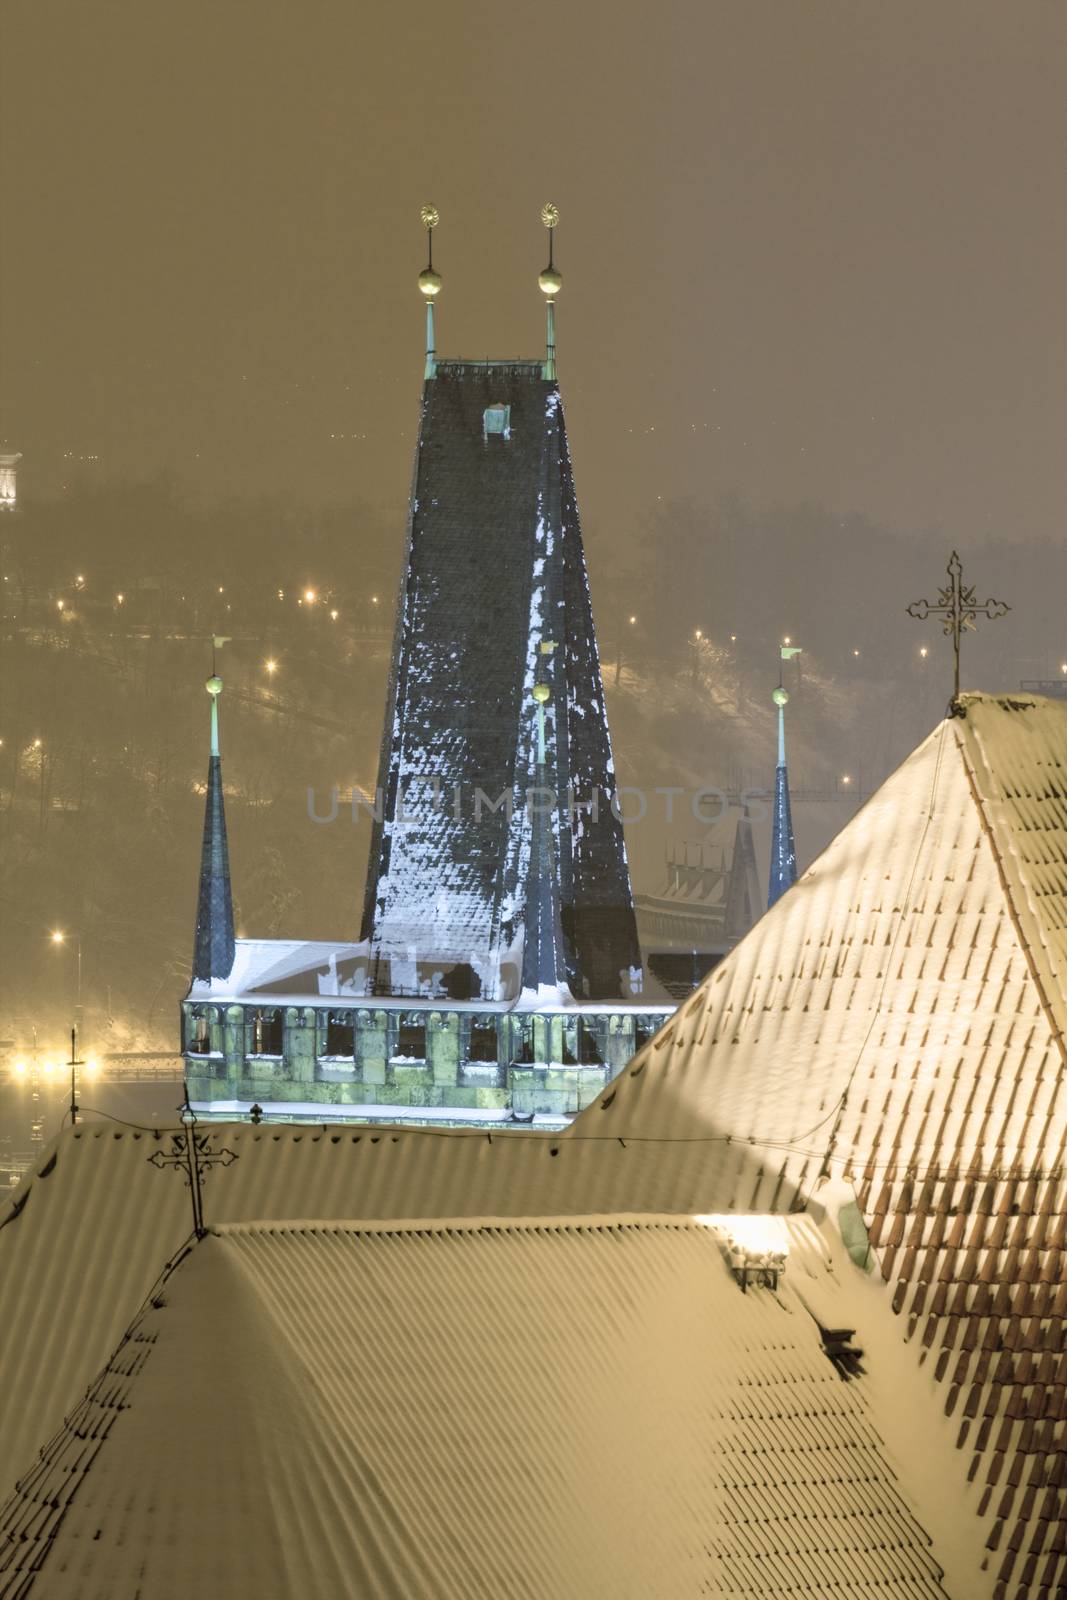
495, 568
213, 948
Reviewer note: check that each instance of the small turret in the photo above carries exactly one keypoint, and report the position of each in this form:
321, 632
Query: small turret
783, 850
544, 965
213, 948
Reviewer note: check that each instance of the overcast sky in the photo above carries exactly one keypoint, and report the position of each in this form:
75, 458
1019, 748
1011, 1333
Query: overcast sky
817, 248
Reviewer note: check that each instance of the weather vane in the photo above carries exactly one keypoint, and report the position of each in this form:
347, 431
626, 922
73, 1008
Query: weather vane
957, 605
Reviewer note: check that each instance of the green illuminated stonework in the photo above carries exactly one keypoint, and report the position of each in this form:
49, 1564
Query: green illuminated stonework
529, 1063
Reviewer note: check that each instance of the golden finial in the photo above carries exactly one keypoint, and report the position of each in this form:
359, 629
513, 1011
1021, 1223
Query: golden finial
429, 280
550, 281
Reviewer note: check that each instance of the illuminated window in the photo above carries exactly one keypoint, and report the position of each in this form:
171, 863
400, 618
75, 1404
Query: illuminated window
497, 419
268, 1032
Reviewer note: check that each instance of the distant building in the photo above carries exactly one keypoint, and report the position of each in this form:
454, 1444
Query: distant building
8, 481
710, 900
498, 971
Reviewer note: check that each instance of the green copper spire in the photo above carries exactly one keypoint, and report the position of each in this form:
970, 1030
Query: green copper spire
430, 288
213, 947
783, 849
550, 282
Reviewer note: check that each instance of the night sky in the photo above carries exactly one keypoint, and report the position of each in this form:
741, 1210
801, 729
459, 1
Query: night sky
811, 336
811, 252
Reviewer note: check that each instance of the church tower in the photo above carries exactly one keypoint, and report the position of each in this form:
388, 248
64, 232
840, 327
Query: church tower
497, 859
497, 978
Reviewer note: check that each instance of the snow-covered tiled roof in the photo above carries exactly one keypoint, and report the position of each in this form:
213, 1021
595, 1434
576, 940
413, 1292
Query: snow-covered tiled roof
894, 1021
543, 1408
85, 1235
898, 1020
902, 1004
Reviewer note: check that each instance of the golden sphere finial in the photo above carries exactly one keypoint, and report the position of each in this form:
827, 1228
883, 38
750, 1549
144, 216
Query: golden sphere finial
550, 282
542, 693
780, 697
214, 686
429, 280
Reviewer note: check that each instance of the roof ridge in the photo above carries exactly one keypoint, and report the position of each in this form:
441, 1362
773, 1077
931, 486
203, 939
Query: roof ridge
1013, 867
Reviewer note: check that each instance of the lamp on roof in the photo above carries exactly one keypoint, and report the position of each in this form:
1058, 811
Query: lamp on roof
430, 286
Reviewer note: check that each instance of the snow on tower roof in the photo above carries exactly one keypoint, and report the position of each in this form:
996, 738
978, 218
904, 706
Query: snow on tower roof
316, 1410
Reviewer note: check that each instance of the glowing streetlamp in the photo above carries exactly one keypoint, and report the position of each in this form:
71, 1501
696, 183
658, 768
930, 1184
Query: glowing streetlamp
270, 667
310, 596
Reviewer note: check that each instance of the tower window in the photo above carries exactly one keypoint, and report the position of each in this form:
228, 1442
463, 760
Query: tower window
339, 1036
483, 1043
496, 419
588, 1045
645, 1028
411, 1041
268, 1033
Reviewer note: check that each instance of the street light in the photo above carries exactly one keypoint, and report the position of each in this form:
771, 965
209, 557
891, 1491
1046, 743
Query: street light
59, 937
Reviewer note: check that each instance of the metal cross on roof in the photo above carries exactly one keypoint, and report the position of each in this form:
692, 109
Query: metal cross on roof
956, 603
194, 1152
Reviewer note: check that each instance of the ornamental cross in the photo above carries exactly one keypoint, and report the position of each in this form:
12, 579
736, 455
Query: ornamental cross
195, 1153
956, 603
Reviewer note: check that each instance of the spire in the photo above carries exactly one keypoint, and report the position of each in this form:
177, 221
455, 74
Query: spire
743, 899
783, 850
213, 950
430, 288
550, 282
543, 963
